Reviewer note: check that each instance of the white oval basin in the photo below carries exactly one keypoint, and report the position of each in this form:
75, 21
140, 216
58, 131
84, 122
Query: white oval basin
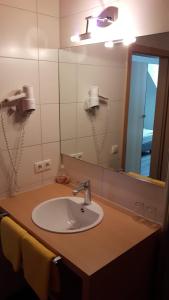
67, 215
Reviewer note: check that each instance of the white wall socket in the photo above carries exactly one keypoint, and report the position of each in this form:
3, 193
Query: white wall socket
41, 166
114, 149
38, 166
47, 164
77, 155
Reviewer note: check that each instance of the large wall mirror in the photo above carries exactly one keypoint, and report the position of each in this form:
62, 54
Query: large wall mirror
114, 108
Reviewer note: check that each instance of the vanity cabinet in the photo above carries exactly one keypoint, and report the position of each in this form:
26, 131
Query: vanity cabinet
132, 276
116, 260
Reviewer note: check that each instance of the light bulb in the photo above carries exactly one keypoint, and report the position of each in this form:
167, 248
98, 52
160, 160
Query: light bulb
129, 40
75, 38
109, 44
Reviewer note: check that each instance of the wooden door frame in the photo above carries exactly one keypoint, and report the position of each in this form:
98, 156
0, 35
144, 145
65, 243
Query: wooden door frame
160, 120
141, 50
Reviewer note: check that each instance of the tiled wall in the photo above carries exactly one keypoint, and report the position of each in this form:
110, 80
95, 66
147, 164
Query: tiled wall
80, 68
145, 17
143, 198
29, 42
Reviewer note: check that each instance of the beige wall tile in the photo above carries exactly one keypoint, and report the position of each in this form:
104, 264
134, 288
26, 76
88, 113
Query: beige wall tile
68, 82
50, 123
48, 37
72, 55
49, 90
24, 4
68, 146
95, 54
18, 32
88, 124
84, 127
106, 141
74, 6
148, 19
68, 117
19, 66
16, 73
4, 173
115, 121
51, 151
87, 147
29, 5
100, 149
27, 176
109, 80
115, 162
50, 7
13, 130
33, 129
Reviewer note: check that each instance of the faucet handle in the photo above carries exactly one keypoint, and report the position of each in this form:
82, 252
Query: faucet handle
84, 186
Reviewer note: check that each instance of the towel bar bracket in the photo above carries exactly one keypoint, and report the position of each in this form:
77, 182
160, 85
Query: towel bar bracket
56, 259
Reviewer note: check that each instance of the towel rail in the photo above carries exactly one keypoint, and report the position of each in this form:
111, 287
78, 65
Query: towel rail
3, 214
55, 259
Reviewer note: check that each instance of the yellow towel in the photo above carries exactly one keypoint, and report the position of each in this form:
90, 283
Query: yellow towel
148, 179
11, 235
36, 265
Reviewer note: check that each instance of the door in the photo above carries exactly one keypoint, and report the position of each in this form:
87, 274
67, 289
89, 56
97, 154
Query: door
142, 102
132, 139
136, 116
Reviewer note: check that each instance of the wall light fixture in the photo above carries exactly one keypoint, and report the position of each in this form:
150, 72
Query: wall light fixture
106, 18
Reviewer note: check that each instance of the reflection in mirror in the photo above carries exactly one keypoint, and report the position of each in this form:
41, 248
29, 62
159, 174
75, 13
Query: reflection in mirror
145, 143
99, 124
86, 73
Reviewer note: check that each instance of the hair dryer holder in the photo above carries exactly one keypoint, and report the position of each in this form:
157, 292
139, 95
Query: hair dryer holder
22, 101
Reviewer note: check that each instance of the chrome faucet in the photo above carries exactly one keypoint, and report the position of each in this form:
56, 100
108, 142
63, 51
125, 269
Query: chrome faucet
84, 186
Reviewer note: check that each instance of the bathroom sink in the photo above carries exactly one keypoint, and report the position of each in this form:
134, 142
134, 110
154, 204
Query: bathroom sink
67, 215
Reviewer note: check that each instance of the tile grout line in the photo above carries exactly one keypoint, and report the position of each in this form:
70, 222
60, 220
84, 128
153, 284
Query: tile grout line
37, 31
31, 59
29, 10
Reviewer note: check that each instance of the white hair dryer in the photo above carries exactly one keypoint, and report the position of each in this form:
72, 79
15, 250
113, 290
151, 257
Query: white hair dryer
23, 101
94, 99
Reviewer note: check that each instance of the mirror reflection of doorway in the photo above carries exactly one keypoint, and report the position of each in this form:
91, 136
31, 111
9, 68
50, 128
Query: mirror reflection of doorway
136, 138
142, 103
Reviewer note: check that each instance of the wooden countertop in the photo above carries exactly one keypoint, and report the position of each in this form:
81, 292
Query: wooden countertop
85, 252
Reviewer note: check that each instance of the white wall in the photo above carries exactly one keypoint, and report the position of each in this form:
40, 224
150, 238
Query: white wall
29, 42
145, 17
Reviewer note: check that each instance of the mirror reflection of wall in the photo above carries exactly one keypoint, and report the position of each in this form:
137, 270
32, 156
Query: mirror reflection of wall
105, 136
92, 136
